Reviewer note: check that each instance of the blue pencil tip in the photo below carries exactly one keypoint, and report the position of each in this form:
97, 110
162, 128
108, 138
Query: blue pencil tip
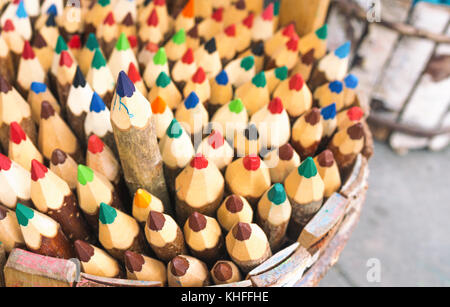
21, 12
50, 21
343, 51
97, 104
329, 112
38, 87
222, 78
125, 86
52, 10
336, 87
351, 81
191, 101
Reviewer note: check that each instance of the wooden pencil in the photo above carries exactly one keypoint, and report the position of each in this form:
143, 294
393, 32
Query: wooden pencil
248, 177
230, 119
204, 237
98, 122
211, 25
29, 62
134, 132
107, 33
247, 141
15, 184
6, 62
257, 50
350, 84
101, 78
49, 31
349, 117
184, 68
254, 94
154, 67
146, 54
193, 40
187, 271
295, 94
176, 150
127, 25
329, 93
244, 32
40, 92
93, 189
166, 90
143, 203
21, 149
235, 13
119, 232
199, 187
176, 46
95, 261
305, 189
13, 39
163, 116
209, 58
121, 56
331, 67
163, 15
164, 236
346, 145
87, 53
274, 212
150, 31
286, 55
59, 48
225, 272
43, 51
96, 15
10, 233
263, 24
234, 209
307, 133
193, 116
52, 195
64, 167
221, 92
281, 162
329, 122
54, 133
101, 159
272, 122
247, 246
241, 70
141, 267
185, 20
42, 234
281, 37
217, 150
71, 22
226, 44
65, 73
199, 84
329, 171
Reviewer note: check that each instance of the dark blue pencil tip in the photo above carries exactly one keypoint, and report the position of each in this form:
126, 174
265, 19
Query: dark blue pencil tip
52, 10
222, 78
351, 81
210, 45
329, 112
78, 79
191, 101
97, 104
50, 21
336, 87
125, 86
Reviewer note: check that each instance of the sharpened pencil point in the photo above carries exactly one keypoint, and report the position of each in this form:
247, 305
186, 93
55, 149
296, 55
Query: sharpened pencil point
308, 168
23, 214
122, 42
242, 231
124, 85
355, 113
133, 261
85, 174
179, 266
142, 198
5, 163
58, 157
329, 112
84, 250
156, 220
223, 271
107, 214
95, 144
277, 194
234, 204
197, 221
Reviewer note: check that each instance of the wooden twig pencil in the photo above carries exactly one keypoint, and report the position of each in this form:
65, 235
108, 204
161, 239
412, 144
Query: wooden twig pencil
127, 25
347, 118
346, 145
166, 90
15, 184
241, 71
192, 38
13, 39
40, 92
329, 93
226, 44
217, 150
329, 171
187, 271
101, 159
49, 31
164, 236
185, 20
64, 167
134, 132
29, 62
21, 149
244, 32
101, 78
141, 267
74, 45
329, 122
263, 25
274, 212
97, 14
119, 232
254, 94
42, 234
163, 116
154, 67
184, 68
204, 237
10, 233
305, 189
225, 272
176, 46
307, 133
149, 31
198, 84
295, 94
286, 55
280, 38
234, 209
199, 187
247, 246
257, 50
98, 122
96, 261
143, 203
281, 162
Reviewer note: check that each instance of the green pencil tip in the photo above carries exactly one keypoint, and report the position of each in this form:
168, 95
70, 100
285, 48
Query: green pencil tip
104, 2
60, 45
179, 37
248, 62
23, 214
308, 168
174, 130
322, 32
122, 43
107, 214
236, 106
98, 60
281, 73
276, 194
85, 174
92, 42
160, 57
259, 80
163, 80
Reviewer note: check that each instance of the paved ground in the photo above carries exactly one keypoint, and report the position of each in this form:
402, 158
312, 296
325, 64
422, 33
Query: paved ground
405, 223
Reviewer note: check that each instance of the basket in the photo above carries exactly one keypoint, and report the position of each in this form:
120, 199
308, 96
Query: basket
402, 59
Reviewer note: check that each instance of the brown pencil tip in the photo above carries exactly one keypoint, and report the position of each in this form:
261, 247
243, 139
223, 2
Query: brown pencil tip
58, 157
179, 266
156, 220
46, 110
242, 231
223, 271
356, 131
326, 158
197, 221
234, 204
133, 261
3, 213
84, 250
313, 116
286, 152
5, 87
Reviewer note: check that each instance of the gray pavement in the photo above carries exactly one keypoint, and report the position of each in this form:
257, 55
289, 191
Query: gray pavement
405, 223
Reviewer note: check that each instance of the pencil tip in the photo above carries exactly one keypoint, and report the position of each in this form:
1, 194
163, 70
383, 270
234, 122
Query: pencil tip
174, 130
28, 52
159, 106
259, 80
98, 60
199, 162
191, 101
277, 194
276, 106
38, 170
248, 62
52, 10
83, 250
308, 168
179, 37
248, 21
142, 198
351, 81
336, 87
109, 19
91, 42
312, 117
252, 162
217, 15
60, 45
46, 110
65, 59
222, 78
230, 30
152, 20
286, 152
223, 271
343, 51
122, 42
355, 113
267, 14
236, 106
133, 261
325, 158
163, 80
125, 88
199, 76
5, 87
197, 221
160, 57
356, 132
296, 82
234, 204
156, 220
84, 174
75, 42
329, 112
188, 56
322, 32
179, 266
210, 46
78, 79
5, 162
95, 144
242, 231
107, 214
16, 133
216, 139
8, 26
23, 214
58, 157
251, 132
97, 105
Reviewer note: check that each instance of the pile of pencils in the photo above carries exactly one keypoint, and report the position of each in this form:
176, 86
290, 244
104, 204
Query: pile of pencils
181, 147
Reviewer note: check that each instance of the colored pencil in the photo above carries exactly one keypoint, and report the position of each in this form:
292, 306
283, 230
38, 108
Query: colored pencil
307, 133
176, 46
235, 13
329, 171
247, 141
211, 24
226, 44
163, 116
247, 246
40, 92
184, 68
14, 109
141, 267
134, 132
65, 74
349, 117
54, 133
185, 20
166, 90
22, 21
163, 15
199, 84
272, 122
199, 188
286, 55
87, 53
107, 33
14, 40
146, 55
98, 122
204, 237
143, 203
150, 31
274, 212
64, 167
10, 233
95, 261
305, 189
193, 116
263, 24
254, 94
209, 57
193, 40
71, 22
28, 62
281, 162
119, 232
225, 272
248, 177
257, 50
346, 145
154, 67
164, 236
187, 271
74, 45
281, 37
295, 94
93, 189
234, 209
101, 159
275, 76
96, 15
121, 56
101, 78
241, 71
15, 184
329, 121
49, 31
244, 32
329, 93
42, 234
350, 84
21, 148
6, 62
216, 149
43, 51
230, 119
221, 92
127, 25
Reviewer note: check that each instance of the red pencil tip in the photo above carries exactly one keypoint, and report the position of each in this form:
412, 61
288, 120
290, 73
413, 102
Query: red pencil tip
132, 39
152, 47
216, 139
276, 106
231, 30
289, 30
248, 21
16, 133
159, 2
133, 73
38, 170
8, 26
218, 14
296, 82
75, 42
65, 59
152, 19
355, 113
268, 12
188, 57
199, 76
292, 44
28, 52
199, 162
95, 144
5, 163
252, 162
109, 20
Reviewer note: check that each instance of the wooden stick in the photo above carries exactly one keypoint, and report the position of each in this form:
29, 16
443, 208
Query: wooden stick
234, 209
